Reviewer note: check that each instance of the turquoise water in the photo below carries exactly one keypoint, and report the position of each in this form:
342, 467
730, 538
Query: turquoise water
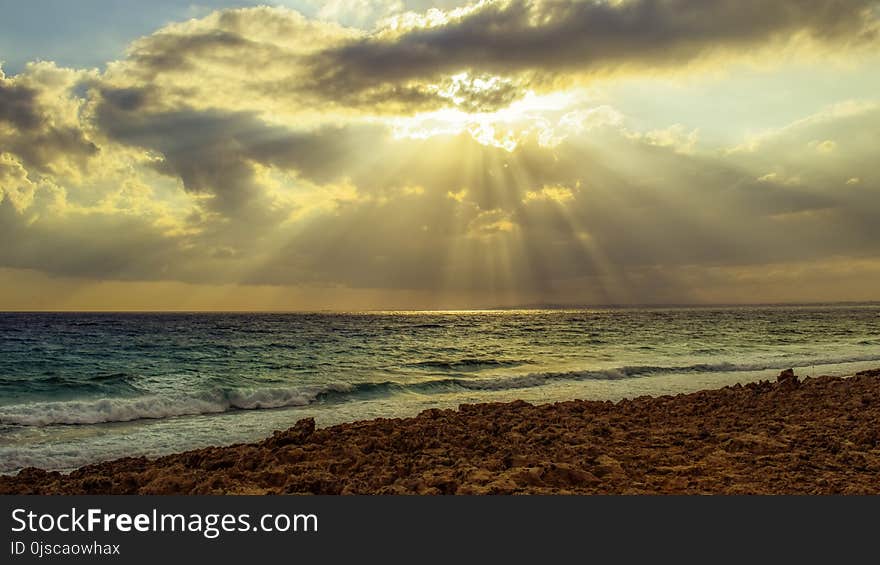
77, 388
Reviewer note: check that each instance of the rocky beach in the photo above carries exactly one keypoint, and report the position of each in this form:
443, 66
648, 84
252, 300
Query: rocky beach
793, 436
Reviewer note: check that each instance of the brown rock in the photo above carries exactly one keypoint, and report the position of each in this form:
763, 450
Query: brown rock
608, 468
787, 375
295, 435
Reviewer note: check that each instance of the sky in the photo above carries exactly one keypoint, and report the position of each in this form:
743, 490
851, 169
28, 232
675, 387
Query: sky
398, 154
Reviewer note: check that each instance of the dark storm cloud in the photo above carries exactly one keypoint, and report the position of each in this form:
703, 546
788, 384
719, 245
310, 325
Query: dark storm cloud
31, 133
565, 35
175, 51
204, 149
280, 55
131, 99
18, 106
215, 151
41, 147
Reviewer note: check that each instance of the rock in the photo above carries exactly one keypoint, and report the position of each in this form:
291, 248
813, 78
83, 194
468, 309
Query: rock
295, 435
607, 467
787, 376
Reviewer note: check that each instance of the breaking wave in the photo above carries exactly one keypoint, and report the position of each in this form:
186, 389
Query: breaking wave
125, 409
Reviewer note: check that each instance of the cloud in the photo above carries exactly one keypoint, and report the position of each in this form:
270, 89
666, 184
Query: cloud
208, 151
541, 37
15, 185
217, 152
92, 245
17, 105
360, 13
640, 207
558, 194
251, 58
478, 58
491, 222
39, 119
433, 154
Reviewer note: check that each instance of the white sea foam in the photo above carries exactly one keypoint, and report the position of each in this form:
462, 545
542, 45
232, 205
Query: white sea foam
161, 406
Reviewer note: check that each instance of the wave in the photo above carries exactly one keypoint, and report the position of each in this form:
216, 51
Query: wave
469, 364
110, 377
126, 409
153, 407
106, 383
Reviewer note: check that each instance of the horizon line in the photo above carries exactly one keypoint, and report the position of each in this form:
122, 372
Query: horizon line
528, 307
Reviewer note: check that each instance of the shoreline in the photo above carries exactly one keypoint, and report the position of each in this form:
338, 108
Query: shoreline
812, 436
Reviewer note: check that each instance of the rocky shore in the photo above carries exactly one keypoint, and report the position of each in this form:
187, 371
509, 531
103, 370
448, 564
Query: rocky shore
811, 436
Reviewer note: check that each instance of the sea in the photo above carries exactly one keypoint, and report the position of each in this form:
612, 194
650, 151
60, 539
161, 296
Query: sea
79, 388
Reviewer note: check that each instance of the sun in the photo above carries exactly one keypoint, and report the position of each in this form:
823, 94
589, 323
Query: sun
546, 117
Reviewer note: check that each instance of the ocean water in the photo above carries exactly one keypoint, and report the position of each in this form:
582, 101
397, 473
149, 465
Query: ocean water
76, 388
